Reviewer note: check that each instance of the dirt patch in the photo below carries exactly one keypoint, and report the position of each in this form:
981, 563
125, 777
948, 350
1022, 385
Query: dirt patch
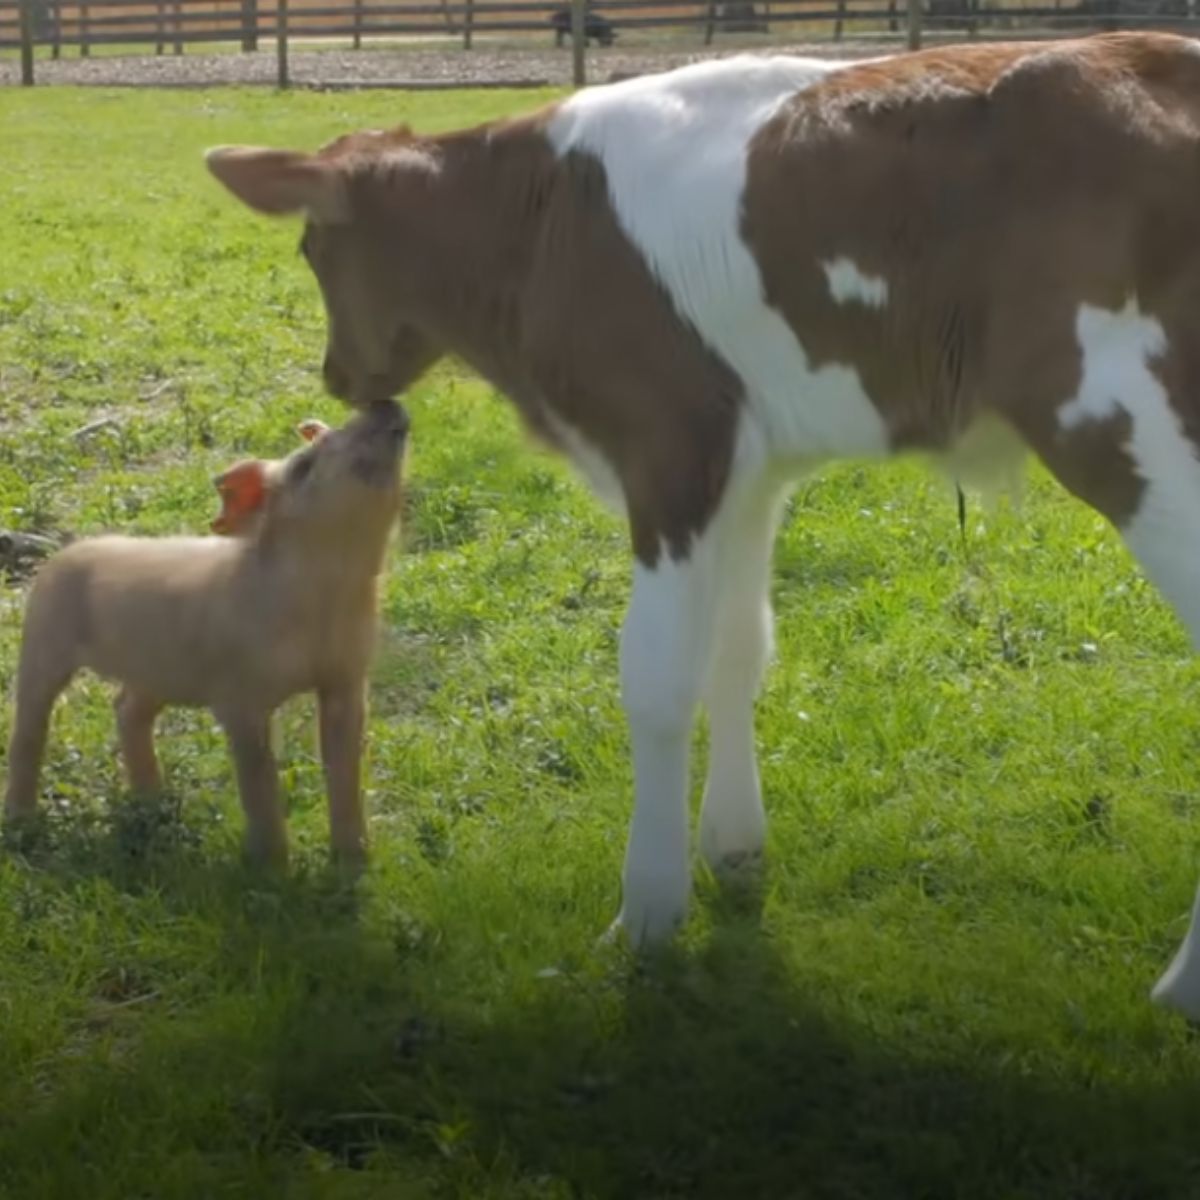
20, 553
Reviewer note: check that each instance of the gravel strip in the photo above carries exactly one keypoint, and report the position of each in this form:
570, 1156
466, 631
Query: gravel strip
382, 67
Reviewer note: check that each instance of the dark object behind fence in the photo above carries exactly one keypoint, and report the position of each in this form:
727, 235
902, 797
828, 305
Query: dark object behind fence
739, 16
596, 28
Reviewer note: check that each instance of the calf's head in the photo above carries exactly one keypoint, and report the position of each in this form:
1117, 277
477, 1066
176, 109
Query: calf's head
341, 491
357, 197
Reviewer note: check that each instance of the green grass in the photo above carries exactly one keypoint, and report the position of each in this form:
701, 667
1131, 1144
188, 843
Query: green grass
980, 763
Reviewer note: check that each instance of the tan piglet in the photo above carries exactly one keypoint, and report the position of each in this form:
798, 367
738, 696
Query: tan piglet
235, 624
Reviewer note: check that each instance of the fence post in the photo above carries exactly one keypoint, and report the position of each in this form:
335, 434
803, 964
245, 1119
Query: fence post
358, 15
25, 15
281, 39
468, 22
914, 24
578, 44
56, 44
839, 23
175, 12
160, 26
710, 21
249, 26
85, 49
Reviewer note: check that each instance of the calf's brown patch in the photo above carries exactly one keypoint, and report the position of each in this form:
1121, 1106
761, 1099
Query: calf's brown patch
996, 189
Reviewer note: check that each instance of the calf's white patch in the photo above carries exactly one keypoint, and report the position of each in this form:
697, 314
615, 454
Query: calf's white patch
847, 284
674, 148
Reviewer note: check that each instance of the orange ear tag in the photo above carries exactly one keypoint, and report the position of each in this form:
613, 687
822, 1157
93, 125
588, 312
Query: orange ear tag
311, 429
242, 490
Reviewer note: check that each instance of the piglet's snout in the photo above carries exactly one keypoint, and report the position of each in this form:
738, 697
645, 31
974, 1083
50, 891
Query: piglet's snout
387, 416
379, 439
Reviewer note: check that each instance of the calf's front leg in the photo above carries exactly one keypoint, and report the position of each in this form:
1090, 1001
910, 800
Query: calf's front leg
732, 820
665, 648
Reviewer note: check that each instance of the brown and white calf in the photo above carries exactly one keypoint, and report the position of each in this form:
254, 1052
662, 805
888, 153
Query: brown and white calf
701, 284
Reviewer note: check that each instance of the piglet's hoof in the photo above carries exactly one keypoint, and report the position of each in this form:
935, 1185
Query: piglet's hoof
260, 854
349, 864
22, 830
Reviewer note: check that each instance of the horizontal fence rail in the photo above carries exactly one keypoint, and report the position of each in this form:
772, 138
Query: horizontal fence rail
27, 25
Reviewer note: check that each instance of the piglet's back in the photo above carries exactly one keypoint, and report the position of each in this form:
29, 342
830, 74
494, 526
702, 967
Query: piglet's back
156, 613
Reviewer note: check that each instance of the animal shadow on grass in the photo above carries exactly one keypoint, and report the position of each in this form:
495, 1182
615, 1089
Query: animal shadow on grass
724, 1079
164, 842
369, 1042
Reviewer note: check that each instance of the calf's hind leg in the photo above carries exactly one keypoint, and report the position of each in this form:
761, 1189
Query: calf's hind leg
1121, 445
1165, 537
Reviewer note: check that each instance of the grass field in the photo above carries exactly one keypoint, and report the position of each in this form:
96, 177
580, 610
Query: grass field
980, 761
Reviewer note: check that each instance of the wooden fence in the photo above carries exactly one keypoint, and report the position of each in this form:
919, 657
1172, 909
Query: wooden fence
163, 24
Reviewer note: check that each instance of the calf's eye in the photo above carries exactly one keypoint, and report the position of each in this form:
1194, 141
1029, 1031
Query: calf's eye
302, 468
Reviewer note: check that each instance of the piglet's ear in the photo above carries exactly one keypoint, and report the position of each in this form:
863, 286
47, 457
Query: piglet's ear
243, 491
311, 429
280, 182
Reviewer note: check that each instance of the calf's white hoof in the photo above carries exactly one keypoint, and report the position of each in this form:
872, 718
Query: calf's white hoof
734, 865
651, 913
1179, 988
733, 847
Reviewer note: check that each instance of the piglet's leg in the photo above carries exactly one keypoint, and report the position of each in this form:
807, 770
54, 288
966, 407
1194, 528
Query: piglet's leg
342, 717
46, 666
249, 735
136, 714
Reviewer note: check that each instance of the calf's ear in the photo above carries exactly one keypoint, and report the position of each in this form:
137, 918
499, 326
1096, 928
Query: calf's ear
280, 182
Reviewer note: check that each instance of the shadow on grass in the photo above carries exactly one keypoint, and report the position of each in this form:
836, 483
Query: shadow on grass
725, 1080
350, 1039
